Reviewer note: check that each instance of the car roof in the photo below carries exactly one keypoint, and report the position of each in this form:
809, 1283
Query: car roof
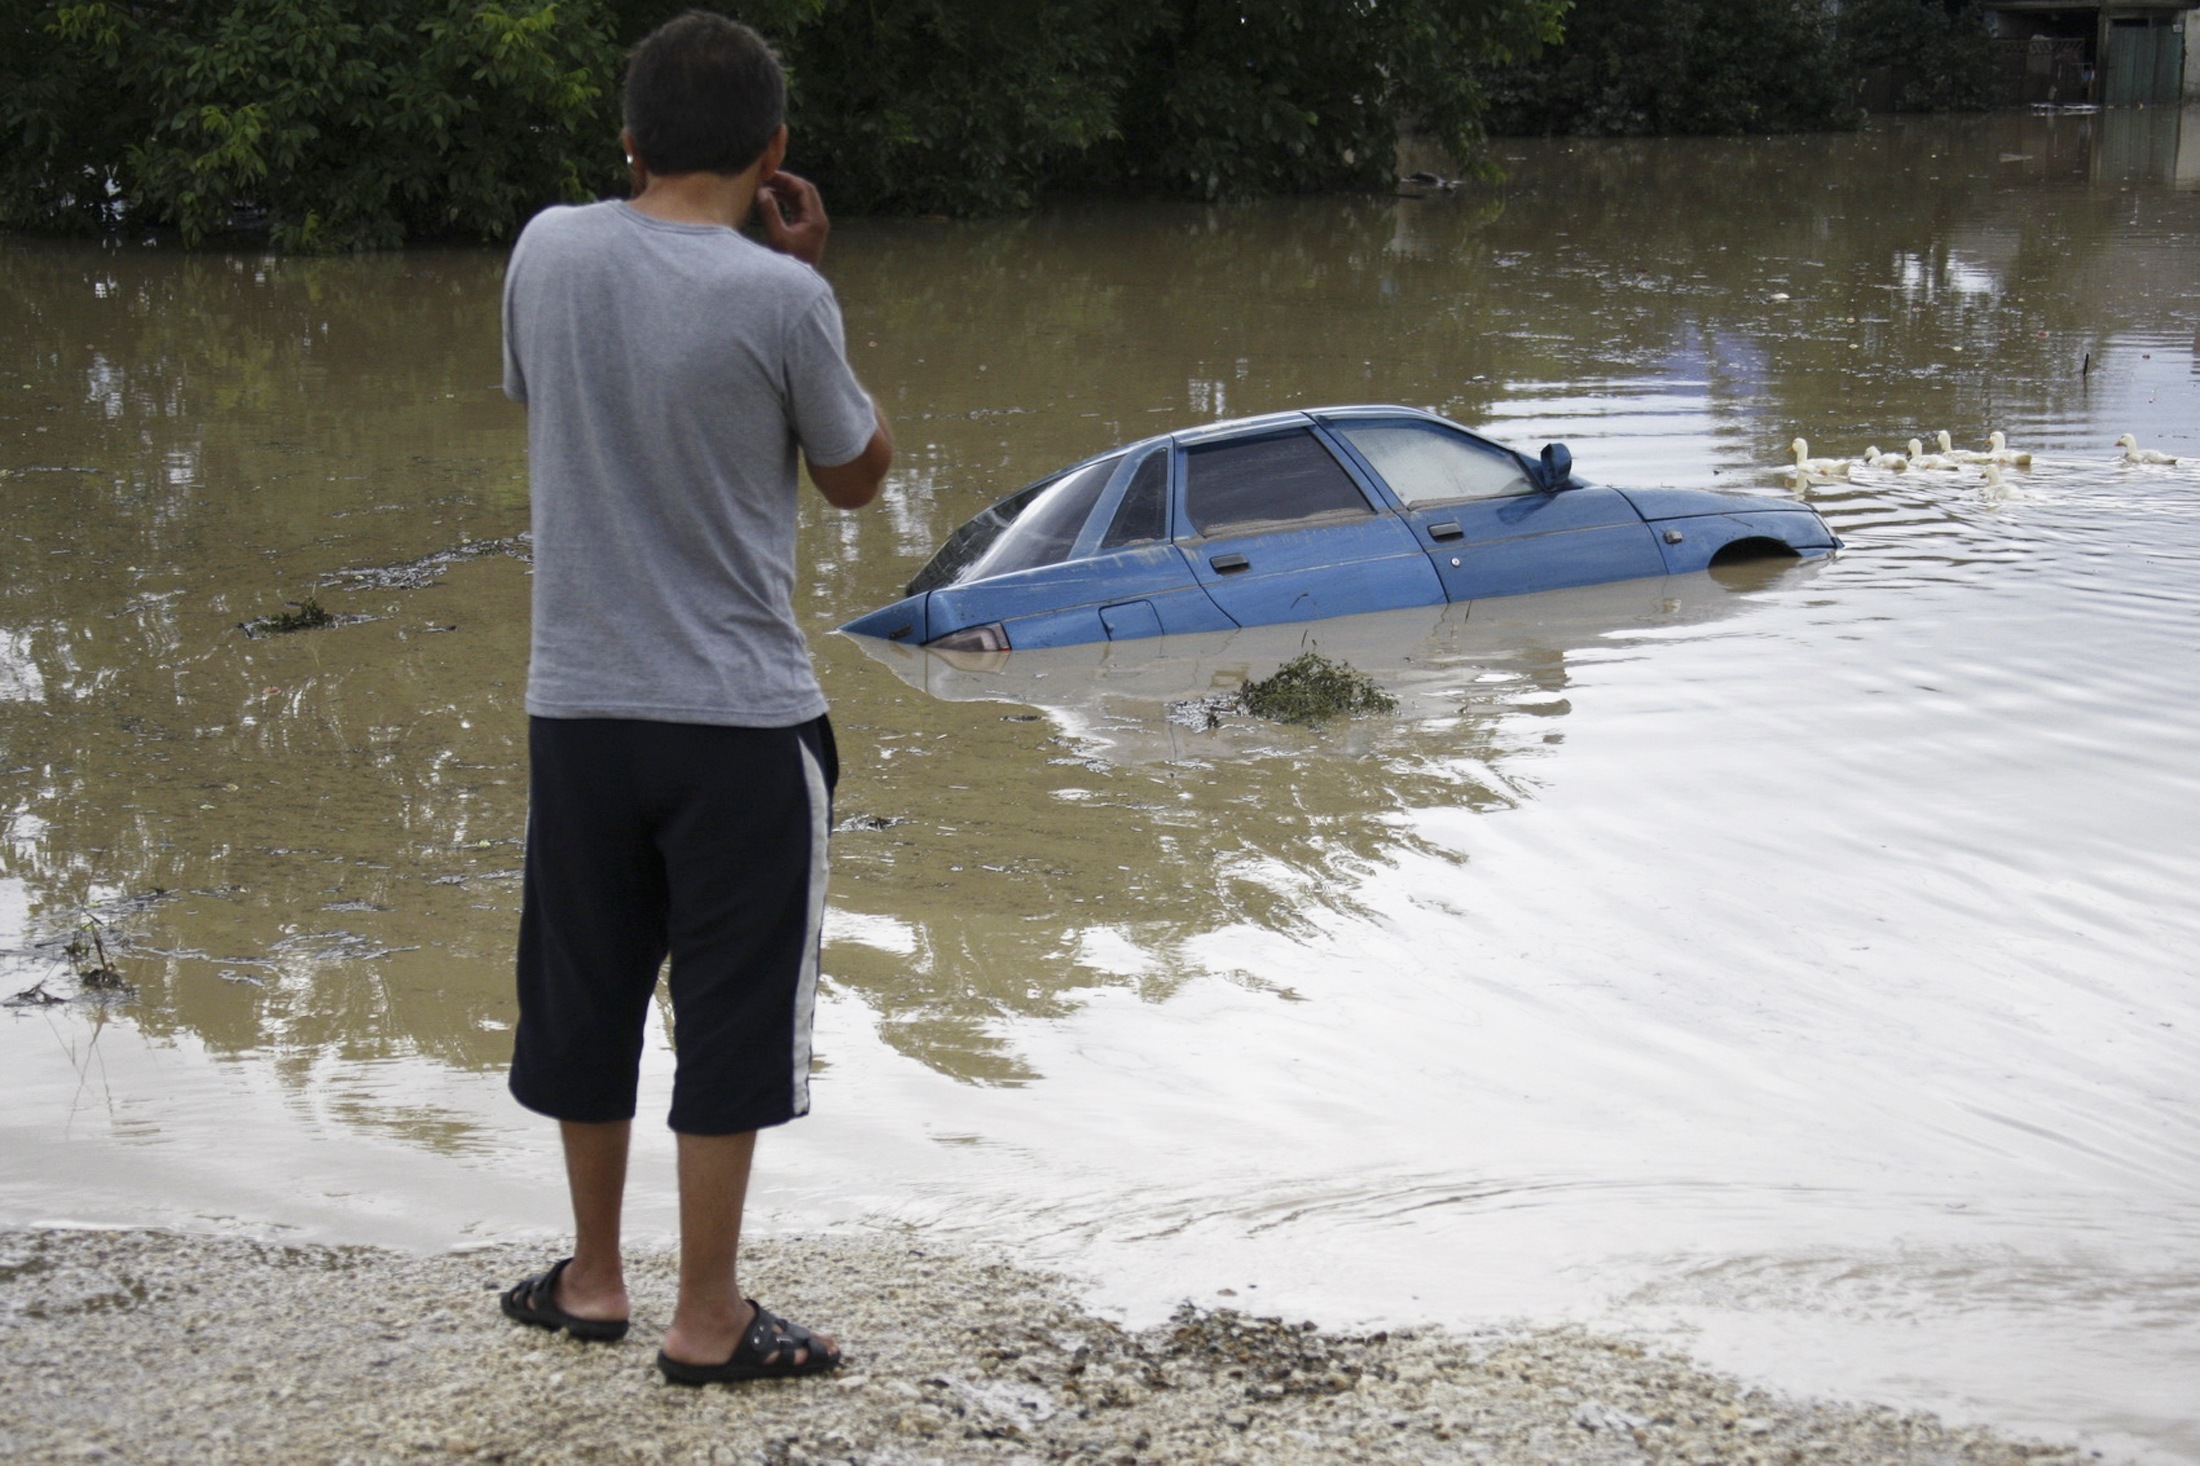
1266, 422
1269, 422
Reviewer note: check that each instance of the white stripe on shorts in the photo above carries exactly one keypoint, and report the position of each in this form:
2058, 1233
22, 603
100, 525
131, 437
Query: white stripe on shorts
805, 993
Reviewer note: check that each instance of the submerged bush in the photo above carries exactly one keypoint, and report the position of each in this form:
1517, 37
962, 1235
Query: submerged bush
1310, 689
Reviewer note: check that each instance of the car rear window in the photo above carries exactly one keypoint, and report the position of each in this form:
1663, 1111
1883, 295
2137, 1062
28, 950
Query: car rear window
1426, 464
1028, 529
974, 537
1266, 483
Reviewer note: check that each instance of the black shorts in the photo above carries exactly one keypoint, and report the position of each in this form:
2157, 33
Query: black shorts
705, 843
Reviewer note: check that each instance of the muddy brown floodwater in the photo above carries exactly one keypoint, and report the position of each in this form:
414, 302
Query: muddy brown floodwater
1796, 966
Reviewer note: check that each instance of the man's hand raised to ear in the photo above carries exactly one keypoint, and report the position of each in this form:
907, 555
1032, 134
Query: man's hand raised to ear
793, 216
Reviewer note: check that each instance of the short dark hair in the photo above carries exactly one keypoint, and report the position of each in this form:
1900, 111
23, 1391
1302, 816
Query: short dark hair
704, 94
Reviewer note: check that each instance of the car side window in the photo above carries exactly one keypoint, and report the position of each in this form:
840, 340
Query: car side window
1266, 483
1144, 513
1426, 464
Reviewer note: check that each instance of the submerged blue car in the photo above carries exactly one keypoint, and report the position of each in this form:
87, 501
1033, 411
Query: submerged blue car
1299, 515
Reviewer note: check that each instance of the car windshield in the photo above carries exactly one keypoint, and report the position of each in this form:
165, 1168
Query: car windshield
1426, 464
1031, 527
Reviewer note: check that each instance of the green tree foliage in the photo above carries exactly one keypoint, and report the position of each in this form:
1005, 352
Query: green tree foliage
956, 106
1292, 96
333, 123
1637, 67
1920, 55
1645, 67
976, 105
362, 123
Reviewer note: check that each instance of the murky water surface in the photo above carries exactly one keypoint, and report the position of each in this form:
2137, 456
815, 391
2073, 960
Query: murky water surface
1800, 966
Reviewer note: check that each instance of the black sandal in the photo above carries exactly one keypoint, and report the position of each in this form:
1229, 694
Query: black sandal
766, 1351
535, 1301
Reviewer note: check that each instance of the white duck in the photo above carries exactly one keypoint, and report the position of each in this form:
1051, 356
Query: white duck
1953, 454
1821, 467
2133, 453
2003, 454
1919, 458
1891, 462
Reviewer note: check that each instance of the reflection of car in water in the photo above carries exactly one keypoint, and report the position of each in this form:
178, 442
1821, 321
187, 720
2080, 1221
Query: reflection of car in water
1300, 515
1120, 700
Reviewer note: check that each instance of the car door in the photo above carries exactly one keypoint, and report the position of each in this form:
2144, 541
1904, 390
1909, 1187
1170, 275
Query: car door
1087, 558
1154, 590
1277, 530
1485, 523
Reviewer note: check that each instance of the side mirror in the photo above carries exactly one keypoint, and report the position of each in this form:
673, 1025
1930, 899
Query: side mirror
1558, 467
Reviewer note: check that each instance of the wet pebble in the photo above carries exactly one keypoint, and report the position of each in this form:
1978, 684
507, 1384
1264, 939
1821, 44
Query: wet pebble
156, 1347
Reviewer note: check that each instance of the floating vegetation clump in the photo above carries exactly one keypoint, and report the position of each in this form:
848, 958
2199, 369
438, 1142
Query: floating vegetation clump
89, 964
87, 954
308, 614
1311, 689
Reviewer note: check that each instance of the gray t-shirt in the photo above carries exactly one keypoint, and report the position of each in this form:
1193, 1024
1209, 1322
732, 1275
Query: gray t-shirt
671, 371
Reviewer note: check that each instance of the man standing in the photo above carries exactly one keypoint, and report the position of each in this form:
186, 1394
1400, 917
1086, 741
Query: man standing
680, 760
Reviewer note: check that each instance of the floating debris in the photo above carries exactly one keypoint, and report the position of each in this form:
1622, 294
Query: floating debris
1310, 689
1205, 713
428, 569
87, 954
34, 996
856, 822
309, 614
134, 902
1420, 185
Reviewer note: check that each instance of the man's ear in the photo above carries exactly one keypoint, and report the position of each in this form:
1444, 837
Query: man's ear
775, 153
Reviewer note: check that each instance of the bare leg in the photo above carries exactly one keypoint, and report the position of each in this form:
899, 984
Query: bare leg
594, 1286
712, 1315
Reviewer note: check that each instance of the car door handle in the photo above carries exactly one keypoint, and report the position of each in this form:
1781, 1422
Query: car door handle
1448, 530
1230, 564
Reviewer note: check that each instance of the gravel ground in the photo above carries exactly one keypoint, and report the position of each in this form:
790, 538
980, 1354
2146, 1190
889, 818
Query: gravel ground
155, 1347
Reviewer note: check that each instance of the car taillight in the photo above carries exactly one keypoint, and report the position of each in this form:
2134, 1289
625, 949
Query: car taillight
991, 637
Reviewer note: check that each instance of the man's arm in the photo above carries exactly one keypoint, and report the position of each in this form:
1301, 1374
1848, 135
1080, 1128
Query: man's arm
794, 223
853, 484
